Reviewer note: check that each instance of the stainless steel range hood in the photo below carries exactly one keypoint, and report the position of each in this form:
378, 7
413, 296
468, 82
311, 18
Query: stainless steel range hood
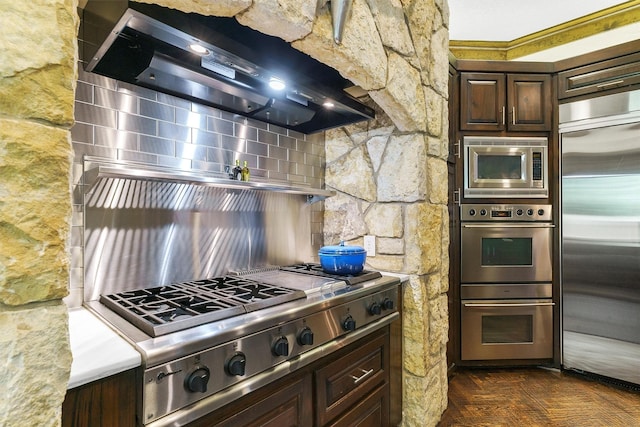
152, 46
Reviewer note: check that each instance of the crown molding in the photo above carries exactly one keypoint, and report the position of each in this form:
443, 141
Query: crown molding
589, 25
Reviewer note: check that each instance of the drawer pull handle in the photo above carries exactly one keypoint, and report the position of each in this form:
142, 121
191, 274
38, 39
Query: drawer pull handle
365, 374
606, 85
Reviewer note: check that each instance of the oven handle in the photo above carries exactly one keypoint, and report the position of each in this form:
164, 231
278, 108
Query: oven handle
534, 304
502, 225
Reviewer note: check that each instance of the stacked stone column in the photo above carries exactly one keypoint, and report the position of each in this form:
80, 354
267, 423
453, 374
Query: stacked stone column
37, 83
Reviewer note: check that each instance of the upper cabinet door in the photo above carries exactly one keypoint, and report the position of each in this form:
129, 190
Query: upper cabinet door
529, 102
482, 101
512, 102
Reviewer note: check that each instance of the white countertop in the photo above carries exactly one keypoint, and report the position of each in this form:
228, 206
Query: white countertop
97, 350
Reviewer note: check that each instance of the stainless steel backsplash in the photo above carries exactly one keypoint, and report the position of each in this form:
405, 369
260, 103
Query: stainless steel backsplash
118, 121
141, 233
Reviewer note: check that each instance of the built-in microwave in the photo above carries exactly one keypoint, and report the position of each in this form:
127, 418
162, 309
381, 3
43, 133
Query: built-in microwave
513, 167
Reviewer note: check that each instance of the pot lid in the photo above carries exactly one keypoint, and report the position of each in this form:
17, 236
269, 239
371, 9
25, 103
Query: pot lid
341, 249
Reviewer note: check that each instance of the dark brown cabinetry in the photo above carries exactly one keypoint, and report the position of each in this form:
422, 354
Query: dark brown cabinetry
110, 402
511, 102
289, 405
599, 77
341, 384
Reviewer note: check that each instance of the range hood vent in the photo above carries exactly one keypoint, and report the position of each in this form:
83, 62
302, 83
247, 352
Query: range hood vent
151, 46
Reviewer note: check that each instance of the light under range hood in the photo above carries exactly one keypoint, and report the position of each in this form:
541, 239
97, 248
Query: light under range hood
151, 46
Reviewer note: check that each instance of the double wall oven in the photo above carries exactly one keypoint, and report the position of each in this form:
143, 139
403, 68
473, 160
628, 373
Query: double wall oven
506, 282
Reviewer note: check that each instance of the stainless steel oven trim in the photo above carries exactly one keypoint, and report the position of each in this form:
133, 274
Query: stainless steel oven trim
541, 346
523, 187
486, 291
527, 304
472, 270
495, 225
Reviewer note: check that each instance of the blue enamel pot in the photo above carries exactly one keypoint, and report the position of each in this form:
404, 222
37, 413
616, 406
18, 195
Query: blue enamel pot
341, 259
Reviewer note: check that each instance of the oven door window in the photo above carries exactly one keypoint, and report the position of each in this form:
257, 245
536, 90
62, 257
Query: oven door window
516, 251
512, 329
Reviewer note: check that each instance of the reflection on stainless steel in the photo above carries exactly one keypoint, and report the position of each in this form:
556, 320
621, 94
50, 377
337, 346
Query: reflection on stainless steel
601, 237
476, 240
172, 231
506, 282
507, 329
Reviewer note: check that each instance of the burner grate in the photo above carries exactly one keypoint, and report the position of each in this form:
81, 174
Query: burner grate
164, 309
316, 270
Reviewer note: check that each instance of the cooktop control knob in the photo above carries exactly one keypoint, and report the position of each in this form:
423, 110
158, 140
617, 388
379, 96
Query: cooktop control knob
349, 324
387, 304
197, 381
305, 337
375, 309
281, 347
235, 366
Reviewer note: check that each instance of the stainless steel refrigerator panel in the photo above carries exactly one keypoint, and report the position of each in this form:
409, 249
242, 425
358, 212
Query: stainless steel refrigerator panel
600, 204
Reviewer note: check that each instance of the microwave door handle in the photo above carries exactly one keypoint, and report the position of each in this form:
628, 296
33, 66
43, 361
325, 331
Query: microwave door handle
529, 304
503, 225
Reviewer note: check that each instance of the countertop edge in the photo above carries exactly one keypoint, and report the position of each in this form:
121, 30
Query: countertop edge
97, 350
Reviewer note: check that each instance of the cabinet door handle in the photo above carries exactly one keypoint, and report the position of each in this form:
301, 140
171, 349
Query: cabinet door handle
504, 120
513, 115
365, 374
605, 85
456, 150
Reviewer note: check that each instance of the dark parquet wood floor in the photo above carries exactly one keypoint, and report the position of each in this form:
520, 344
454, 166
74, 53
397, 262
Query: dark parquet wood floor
537, 397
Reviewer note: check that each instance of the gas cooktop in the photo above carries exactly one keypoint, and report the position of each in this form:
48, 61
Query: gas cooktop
316, 270
165, 309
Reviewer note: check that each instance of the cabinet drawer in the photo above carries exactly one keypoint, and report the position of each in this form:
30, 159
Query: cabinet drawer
605, 75
342, 383
370, 412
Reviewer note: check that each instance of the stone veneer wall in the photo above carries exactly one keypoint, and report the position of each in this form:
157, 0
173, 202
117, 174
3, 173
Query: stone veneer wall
390, 176
38, 54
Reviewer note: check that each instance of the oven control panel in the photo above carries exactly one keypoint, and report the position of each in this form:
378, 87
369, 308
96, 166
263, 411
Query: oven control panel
502, 212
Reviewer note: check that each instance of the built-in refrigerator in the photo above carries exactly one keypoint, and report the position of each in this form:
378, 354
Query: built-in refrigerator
600, 229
